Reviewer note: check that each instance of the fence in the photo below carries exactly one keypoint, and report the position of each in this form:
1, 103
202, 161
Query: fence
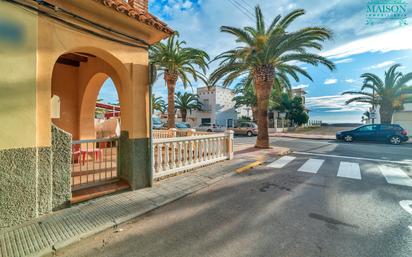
173, 155
313, 123
93, 162
171, 133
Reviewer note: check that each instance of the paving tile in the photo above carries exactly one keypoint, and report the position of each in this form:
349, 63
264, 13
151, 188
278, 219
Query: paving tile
68, 225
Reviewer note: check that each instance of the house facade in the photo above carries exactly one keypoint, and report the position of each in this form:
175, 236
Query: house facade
56, 54
218, 107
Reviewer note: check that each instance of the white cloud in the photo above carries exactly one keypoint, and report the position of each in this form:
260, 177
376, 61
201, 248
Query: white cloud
380, 65
351, 81
347, 60
330, 81
383, 42
334, 103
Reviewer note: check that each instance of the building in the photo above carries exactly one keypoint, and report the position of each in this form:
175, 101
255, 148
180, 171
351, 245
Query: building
301, 93
218, 107
56, 54
404, 117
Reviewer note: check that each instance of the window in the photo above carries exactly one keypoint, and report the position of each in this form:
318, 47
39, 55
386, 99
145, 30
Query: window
244, 125
387, 127
205, 121
367, 128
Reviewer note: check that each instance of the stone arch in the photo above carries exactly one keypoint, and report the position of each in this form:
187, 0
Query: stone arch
89, 78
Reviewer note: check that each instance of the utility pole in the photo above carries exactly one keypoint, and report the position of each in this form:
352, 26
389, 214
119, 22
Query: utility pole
373, 113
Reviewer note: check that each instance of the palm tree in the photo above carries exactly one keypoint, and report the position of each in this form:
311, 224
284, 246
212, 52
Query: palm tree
176, 62
245, 96
187, 102
389, 93
158, 104
268, 52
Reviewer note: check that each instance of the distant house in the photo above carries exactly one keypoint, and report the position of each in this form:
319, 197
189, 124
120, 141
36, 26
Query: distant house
218, 107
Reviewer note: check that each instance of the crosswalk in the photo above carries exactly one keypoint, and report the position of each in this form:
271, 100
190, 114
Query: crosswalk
351, 170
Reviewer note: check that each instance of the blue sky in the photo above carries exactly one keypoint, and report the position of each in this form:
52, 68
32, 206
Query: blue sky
356, 47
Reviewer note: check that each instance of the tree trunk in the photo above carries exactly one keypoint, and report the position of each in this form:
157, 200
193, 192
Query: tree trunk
263, 78
170, 79
254, 113
386, 112
184, 115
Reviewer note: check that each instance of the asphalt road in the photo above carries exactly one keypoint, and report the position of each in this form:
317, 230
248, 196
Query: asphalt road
381, 151
331, 199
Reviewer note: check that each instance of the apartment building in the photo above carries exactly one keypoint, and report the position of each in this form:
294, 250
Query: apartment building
218, 107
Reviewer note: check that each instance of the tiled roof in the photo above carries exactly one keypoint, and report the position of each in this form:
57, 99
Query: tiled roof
141, 15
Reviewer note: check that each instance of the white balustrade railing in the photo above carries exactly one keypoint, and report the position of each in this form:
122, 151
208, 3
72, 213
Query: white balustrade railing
157, 134
178, 154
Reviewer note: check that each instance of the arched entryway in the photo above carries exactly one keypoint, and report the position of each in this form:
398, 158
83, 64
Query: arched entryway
77, 79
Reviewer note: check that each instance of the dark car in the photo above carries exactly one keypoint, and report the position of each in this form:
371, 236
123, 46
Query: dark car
391, 133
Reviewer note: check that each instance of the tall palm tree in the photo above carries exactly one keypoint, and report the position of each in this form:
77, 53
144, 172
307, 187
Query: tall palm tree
389, 93
175, 62
158, 104
187, 102
245, 96
266, 52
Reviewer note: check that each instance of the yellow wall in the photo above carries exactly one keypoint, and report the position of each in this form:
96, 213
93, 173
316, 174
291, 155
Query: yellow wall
26, 78
17, 78
64, 83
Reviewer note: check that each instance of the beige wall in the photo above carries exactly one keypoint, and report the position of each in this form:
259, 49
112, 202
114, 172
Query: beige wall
26, 74
64, 83
403, 118
18, 79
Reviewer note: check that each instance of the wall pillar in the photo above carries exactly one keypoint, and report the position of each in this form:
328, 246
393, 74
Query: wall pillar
135, 146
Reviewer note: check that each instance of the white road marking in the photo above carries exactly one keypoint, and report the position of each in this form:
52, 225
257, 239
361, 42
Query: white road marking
406, 205
349, 170
395, 176
311, 165
353, 158
281, 162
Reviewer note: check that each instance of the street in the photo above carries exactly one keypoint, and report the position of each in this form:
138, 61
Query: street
326, 198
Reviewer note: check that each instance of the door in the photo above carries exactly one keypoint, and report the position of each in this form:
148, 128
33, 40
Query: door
366, 133
230, 123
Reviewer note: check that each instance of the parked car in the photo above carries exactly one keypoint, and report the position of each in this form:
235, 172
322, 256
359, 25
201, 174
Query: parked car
246, 128
391, 133
210, 128
157, 123
182, 126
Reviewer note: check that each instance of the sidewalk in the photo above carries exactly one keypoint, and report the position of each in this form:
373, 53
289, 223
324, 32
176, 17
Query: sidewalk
52, 232
303, 136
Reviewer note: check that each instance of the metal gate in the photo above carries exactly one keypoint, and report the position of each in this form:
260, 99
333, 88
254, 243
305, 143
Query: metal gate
94, 162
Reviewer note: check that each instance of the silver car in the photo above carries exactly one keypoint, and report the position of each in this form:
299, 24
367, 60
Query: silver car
246, 128
210, 128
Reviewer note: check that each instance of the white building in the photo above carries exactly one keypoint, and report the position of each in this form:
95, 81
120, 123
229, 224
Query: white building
217, 107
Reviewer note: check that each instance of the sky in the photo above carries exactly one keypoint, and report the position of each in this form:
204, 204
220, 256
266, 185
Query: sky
356, 47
